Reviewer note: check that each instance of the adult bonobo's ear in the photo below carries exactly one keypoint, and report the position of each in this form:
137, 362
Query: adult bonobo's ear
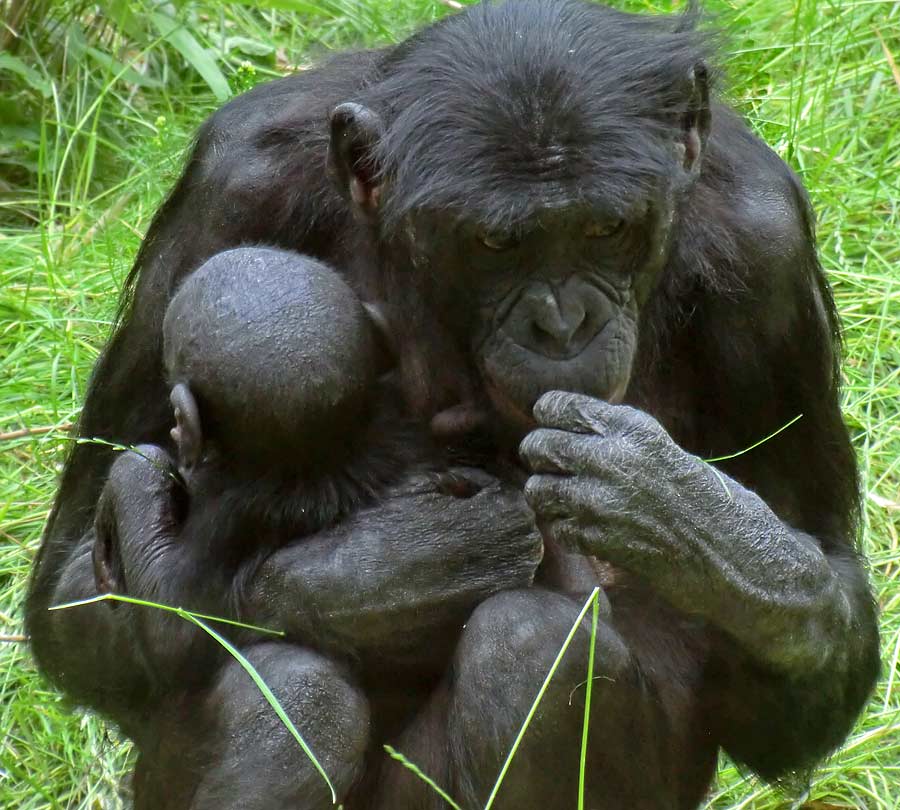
355, 130
188, 432
696, 118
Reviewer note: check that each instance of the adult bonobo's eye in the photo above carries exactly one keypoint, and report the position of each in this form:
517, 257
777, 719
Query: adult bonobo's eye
603, 228
496, 240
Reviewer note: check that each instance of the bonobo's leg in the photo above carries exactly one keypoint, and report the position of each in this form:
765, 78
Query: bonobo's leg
507, 648
228, 749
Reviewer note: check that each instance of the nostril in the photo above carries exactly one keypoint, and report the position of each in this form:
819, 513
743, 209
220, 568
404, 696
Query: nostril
542, 337
585, 330
549, 323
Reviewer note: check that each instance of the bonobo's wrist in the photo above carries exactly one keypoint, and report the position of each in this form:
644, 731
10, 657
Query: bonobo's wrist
770, 587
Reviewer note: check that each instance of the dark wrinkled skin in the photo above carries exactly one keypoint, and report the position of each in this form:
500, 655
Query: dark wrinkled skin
738, 613
332, 605
673, 522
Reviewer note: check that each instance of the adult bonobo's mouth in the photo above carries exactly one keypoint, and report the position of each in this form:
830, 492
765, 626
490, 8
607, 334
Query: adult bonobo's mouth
590, 355
514, 398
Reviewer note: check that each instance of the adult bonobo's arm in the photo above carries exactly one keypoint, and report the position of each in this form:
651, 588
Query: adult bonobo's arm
382, 585
395, 575
760, 549
611, 482
239, 186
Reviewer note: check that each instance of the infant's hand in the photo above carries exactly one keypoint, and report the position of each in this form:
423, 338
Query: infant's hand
137, 520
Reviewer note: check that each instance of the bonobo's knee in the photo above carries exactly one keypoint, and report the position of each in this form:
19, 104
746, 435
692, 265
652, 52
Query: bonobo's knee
515, 636
507, 649
257, 763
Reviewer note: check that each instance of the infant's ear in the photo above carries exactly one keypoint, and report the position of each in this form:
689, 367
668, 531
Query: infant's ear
188, 432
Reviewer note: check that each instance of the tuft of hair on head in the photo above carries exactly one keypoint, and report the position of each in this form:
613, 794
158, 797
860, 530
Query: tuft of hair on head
572, 97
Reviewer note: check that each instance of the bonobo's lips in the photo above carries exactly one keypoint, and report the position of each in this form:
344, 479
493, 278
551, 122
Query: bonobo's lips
516, 377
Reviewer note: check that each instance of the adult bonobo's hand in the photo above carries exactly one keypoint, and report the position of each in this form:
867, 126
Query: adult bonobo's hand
136, 524
609, 481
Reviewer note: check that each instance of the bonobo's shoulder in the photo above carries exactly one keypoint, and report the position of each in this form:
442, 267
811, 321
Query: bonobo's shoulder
301, 100
258, 149
747, 241
763, 202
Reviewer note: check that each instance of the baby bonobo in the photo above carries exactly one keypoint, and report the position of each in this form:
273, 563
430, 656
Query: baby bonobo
284, 423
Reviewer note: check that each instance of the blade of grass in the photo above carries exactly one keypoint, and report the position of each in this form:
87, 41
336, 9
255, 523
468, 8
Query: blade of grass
270, 698
753, 446
197, 619
582, 765
185, 614
126, 448
411, 766
194, 54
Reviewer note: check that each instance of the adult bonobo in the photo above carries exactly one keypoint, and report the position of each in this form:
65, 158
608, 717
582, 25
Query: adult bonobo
545, 199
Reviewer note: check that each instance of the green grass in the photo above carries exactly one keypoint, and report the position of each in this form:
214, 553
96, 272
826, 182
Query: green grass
85, 158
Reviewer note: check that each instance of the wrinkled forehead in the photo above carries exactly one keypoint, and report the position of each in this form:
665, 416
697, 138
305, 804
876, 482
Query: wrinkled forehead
520, 187
507, 159
521, 107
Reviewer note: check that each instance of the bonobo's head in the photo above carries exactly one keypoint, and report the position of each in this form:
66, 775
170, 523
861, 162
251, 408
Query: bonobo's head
524, 164
272, 359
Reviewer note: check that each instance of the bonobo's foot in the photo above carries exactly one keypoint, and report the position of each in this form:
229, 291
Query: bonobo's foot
230, 750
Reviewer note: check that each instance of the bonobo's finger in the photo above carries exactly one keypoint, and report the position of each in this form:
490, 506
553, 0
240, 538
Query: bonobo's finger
571, 496
502, 512
561, 451
412, 486
550, 496
499, 500
567, 533
577, 413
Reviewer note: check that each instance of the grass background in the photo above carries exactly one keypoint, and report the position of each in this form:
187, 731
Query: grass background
97, 104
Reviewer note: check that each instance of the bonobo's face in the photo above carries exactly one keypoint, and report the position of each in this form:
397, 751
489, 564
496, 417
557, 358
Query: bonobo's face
552, 302
522, 200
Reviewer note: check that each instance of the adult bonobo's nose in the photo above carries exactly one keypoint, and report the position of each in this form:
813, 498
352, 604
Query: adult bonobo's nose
558, 320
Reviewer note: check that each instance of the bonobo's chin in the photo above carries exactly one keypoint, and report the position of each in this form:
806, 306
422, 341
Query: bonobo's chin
515, 378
